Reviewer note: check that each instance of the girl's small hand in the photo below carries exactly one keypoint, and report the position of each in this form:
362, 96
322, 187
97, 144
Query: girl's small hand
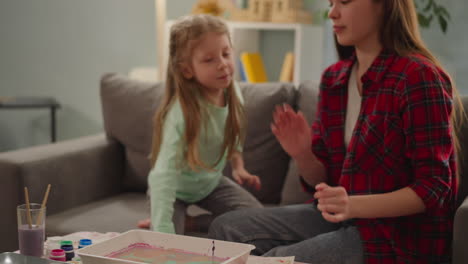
241, 176
333, 202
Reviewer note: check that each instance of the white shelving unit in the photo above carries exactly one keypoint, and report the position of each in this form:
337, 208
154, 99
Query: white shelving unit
308, 45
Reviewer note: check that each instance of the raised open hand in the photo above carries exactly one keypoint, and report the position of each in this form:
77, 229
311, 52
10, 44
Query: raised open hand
291, 130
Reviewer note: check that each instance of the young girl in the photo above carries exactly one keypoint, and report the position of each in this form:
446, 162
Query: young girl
199, 125
381, 158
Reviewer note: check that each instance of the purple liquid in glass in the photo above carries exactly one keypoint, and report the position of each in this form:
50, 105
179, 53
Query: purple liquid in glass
31, 241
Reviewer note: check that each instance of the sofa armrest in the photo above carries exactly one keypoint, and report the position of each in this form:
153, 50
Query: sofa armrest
460, 234
80, 171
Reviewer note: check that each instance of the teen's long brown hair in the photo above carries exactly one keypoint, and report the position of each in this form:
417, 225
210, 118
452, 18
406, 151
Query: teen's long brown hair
184, 35
400, 33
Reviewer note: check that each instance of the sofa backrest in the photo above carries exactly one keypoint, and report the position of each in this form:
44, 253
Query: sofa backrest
263, 155
307, 97
463, 158
129, 105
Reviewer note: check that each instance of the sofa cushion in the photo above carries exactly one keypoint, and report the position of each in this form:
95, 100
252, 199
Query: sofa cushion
307, 97
128, 107
102, 214
263, 154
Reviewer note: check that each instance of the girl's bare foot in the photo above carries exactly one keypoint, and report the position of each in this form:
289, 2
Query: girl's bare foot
145, 223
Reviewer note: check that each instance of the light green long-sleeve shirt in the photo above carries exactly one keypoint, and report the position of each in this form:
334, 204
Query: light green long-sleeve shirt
171, 177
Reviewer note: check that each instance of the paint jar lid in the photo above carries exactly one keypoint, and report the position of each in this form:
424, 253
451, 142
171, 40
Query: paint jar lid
57, 252
85, 242
66, 242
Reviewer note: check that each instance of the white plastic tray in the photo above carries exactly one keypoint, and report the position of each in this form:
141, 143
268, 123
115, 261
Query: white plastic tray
237, 253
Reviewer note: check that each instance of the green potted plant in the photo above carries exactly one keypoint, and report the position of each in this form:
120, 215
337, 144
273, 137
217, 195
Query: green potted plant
428, 10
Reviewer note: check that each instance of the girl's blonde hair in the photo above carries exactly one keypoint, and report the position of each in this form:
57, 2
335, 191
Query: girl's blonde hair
184, 36
400, 33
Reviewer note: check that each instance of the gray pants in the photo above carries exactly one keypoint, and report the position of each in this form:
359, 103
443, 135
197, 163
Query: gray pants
296, 230
227, 196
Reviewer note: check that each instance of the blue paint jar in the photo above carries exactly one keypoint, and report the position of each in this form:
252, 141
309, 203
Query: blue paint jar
85, 242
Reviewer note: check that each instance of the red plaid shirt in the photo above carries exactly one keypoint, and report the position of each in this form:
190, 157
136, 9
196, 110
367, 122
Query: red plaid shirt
402, 138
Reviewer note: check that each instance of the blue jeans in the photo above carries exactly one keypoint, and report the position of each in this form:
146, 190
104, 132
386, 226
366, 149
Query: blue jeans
296, 230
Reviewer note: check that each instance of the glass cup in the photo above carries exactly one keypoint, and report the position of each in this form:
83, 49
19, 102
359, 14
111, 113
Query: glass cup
31, 229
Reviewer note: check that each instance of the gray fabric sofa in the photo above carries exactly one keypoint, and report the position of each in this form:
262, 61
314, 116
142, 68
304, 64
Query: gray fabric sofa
99, 182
